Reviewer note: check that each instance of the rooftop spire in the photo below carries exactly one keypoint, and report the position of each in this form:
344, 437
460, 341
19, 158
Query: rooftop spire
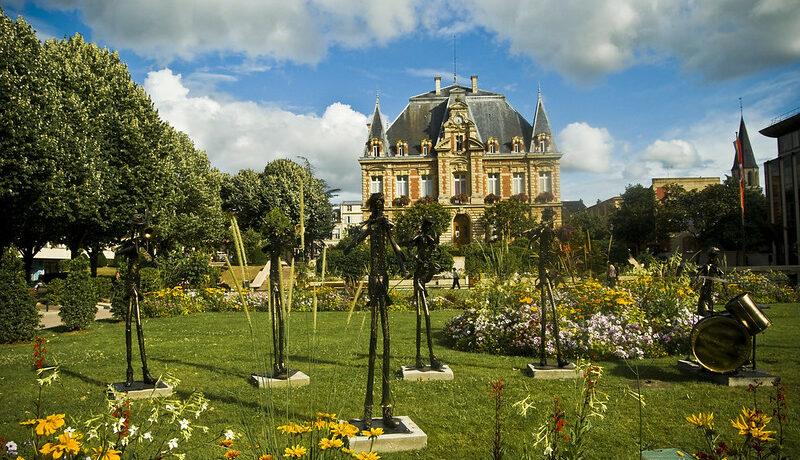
541, 125
748, 159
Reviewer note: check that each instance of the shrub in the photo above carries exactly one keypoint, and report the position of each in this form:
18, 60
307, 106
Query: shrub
17, 306
102, 286
79, 302
150, 279
195, 268
55, 290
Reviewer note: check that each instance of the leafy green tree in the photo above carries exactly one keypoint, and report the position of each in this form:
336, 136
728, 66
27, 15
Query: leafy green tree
634, 221
250, 196
17, 306
672, 216
193, 267
79, 302
408, 221
507, 219
28, 155
352, 266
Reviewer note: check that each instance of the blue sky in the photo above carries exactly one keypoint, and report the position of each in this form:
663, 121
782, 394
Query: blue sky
634, 89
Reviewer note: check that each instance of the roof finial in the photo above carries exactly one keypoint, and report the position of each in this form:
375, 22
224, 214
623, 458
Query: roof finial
539, 85
455, 79
377, 97
741, 113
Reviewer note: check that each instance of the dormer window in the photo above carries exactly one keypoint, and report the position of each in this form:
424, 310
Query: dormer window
426, 146
542, 143
402, 148
493, 145
517, 144
376, 147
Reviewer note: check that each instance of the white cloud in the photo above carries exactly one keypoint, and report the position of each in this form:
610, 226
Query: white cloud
299, 31
238, 135
585, 148
720, 39
672, 154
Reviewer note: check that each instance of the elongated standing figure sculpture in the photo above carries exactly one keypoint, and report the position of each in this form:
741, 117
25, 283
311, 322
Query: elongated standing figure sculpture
379, 230
280, 234
426, 246
707, 274
131, 250
545, 234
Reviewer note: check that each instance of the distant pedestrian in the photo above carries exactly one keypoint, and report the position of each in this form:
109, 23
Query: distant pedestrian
611, 277
455, 285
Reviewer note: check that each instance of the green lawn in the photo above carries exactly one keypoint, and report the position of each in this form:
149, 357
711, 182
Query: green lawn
212, 353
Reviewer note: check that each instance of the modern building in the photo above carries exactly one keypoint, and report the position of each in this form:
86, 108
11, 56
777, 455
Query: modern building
345, 215
749, 167
465, 148
782, 186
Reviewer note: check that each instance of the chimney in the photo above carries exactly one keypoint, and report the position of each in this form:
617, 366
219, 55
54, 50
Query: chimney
474, 83
438, 81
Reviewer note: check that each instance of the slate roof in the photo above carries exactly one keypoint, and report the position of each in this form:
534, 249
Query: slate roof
748, 159
542, 125
493, 116
377, 127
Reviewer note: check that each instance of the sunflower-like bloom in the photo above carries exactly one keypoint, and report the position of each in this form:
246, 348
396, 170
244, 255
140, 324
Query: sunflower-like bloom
367, 456
344, 429
327, 443
326, 415
702, 420
295, 451
49, 425
293, 428
753, 423
373, 432
69, 442
110, 454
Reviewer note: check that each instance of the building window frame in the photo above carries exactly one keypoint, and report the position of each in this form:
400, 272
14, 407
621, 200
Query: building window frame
376, 184
545, 181
460, 184
426, 185
493, 183
517, 183
401, 185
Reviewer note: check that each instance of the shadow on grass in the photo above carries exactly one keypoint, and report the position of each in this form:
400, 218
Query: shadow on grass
652, 372
208, 367
89, 380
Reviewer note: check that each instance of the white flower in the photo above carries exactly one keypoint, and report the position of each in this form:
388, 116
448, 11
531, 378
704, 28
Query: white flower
169, 407
148, 436
173, 443
117, 427
69, 430
230, 434
132, 429
184, 424
124, 440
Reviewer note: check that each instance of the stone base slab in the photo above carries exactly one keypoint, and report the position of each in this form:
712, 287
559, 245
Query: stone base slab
295, 379
552, 371
406, 436
141, 390
738, 378
664, 454
426, 373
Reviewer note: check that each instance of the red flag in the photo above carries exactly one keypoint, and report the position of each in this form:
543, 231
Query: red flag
738, 145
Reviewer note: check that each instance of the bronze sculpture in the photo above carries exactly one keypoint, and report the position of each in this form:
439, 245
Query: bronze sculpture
426, 246
379, 230
707, 275
132, 250
280, 235
546, 235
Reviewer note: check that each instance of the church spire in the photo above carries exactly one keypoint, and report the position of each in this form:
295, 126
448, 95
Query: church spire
749, 165
542, 140
377, 142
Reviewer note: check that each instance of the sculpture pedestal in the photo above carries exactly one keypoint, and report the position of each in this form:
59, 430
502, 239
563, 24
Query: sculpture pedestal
405, 436
552, 371
738, 378
266, 380
141, 390
665, 454
426, 373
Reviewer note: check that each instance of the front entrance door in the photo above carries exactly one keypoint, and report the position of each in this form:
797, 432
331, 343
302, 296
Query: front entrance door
461, 230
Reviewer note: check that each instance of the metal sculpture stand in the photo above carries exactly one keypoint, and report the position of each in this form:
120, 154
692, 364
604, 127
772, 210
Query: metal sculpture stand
378, 229
545, 234
136, 246
426, 244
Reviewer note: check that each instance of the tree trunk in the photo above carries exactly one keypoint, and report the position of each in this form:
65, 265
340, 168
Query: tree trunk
27, 260
94, 253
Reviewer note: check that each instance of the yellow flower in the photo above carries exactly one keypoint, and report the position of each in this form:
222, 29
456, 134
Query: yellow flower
265, 457
526, 300
49, 425
347, 451
702, 420
344, 429
69, 443
32, 421
293, 428
326, 415
110, 454
295, 452
320, 425
231, 454
373, 432
226, 442
368, 456
326, 443
53, 450
748, 424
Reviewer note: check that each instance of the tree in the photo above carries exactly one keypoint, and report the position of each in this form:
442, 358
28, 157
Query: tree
250, 195
507, 219
17, 306
672, 216
78, 304
28, 154
634, 221
408, 221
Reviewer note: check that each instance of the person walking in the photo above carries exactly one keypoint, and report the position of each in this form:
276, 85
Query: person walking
455, 285
611, 277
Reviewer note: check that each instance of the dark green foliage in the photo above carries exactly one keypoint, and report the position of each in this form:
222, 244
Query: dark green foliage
409, 221
151, 279
634, 221
102, 286
55, 291
79, 302
17, 306
193, 267
507, 219
351, 267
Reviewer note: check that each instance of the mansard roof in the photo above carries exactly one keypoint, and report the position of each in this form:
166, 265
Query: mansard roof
425, 114
541, 125
377, 126
748, 159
